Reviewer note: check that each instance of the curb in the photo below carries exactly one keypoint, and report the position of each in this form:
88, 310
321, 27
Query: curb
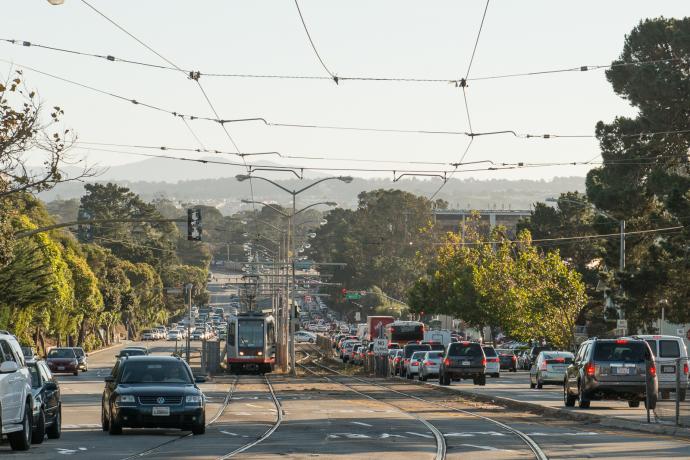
106, 348
610, 422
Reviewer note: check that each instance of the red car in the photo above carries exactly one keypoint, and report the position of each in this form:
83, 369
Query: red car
63, 361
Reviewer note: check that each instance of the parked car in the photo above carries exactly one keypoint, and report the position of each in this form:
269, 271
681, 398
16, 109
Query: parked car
152, 392
463, 360
669, 351
47, 404
507, 359
16, 402
82, 358
612, 369
430, 365
63, 360
408, 351
549, 368
493, 365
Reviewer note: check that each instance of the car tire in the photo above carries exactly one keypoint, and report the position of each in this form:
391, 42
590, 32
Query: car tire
423, 378
531, 385
409, 376
481, 380
633, 403
21, 440
540, 384
105, 421
39, 431
581, 401
113, 427
54, 431
443, 379
497, 375
76, 372
568, 399
665, 394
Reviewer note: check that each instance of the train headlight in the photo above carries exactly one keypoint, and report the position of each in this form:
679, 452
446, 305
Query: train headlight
241, 353
260, 353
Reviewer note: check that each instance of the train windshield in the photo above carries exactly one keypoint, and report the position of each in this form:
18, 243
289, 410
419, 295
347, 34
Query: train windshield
406, 332
250, 334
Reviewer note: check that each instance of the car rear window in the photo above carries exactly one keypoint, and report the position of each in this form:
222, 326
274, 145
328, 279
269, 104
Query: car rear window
669, 349
435, 354
623, 351
490, 352
460, 349
410, 349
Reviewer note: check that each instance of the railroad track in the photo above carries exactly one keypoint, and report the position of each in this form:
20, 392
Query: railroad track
531, 444
440, 439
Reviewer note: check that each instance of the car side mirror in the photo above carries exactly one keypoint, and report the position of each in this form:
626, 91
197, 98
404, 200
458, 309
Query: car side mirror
199, 378
8, 367
109, 379
51, 386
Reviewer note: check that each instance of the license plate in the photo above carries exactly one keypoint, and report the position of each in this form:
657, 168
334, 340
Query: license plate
61, 368
466, 363
161, 411
621, 370
668, 369
558, 368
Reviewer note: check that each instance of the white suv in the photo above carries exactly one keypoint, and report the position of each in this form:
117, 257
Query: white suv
16, 402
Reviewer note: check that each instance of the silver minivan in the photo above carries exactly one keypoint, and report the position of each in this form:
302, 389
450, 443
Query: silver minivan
667, 350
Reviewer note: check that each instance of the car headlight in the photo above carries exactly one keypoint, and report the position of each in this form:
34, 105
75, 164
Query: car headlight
194, 399
124, 399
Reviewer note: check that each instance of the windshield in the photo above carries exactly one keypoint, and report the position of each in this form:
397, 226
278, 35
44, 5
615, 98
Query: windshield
79, 352
61, 353
250, 334
460, 349
410, 349
614, 351
490, 352
154, 372
434, 355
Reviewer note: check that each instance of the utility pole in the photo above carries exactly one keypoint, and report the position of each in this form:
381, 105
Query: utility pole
189, 287
293, 307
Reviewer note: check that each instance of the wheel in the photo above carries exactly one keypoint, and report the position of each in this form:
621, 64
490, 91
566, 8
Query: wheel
540, 384
513, 370
54, 431
311, 340
423, 378
200, 428
39, 431
482, 380
75, 372
681, 394
113, 427
666, 394
633, 403
105, 421
21, 440
409, 375
531, 385
582, 402
497, 375
568, 399
443, 379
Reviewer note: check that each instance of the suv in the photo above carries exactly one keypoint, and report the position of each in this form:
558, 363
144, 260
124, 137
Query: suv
611, 369
463, 360
16, 401
669, 351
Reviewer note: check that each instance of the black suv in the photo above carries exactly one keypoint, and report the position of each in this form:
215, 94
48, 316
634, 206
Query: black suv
611, 369
463, 360
150, 392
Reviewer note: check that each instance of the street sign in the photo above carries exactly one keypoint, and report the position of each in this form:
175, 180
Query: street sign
380, 346
358, 316
353, 296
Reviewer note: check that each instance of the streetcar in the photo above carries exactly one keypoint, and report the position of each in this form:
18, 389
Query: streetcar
250, 344
404, 332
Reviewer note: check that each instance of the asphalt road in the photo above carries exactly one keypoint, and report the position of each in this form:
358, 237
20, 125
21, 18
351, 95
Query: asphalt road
326, 418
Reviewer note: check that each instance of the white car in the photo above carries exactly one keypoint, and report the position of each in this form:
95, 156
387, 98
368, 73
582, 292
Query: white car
16, 400
430, 365
174, 335
304, 336
493, 362
148, 335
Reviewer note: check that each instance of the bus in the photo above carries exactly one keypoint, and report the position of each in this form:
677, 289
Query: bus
404, 332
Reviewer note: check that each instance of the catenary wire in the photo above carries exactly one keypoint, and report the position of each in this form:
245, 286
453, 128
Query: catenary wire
364, 78
192, 117
313, 46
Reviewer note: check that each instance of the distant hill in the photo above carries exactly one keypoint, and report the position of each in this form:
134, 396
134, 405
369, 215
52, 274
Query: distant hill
222, 190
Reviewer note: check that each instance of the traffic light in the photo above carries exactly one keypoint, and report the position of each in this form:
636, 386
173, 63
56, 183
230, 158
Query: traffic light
194, 224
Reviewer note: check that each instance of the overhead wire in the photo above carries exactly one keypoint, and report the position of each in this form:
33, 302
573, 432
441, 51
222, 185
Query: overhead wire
313, 46
363, 78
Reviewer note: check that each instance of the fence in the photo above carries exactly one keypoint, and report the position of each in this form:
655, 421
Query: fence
672, 406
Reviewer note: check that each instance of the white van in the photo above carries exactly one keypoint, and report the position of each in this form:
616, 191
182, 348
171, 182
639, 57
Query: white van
667, 349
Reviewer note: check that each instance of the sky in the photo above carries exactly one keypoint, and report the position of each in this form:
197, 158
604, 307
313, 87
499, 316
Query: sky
365, 38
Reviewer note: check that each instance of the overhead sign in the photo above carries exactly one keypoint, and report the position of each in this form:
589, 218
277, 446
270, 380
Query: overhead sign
358, 316
353, 296
380, 346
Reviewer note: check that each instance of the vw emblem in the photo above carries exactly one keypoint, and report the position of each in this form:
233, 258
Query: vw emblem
160, 400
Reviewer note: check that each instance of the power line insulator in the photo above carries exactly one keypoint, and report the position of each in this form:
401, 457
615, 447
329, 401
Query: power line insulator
194, 75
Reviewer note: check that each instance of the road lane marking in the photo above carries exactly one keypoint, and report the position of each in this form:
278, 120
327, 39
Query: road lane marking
228, 433
361, 423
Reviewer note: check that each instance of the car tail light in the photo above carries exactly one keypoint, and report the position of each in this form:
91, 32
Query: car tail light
589, 369
397, 360
543, 366
621, 341
446, 362
514, 358
465, 343
483, 361
492, 360
652, 370
685, 368
428, 363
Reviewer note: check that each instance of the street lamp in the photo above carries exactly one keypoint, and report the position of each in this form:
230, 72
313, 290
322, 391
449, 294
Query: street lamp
291, 217
56, 2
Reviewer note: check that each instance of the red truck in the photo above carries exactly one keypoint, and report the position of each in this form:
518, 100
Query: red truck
376, 327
